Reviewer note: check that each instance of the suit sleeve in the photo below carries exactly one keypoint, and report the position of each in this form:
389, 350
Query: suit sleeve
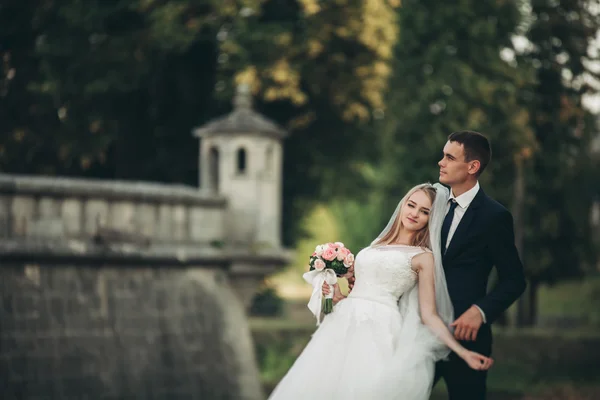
511, 279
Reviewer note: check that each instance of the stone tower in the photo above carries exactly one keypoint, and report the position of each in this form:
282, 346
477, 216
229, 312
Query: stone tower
241, 159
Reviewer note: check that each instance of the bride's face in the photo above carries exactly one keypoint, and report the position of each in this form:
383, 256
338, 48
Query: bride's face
416, 210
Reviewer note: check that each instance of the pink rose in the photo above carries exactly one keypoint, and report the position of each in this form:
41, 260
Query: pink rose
349, 261
319, 264
332, 246
339, 244
341, 255
346, 251
329, 254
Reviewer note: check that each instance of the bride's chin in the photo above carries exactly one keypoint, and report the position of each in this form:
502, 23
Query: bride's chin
412, 228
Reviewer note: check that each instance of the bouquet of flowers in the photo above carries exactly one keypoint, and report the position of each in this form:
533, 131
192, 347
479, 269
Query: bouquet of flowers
327, 263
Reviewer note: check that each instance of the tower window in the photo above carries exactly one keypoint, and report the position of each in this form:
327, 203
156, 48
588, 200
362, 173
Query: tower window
213, 156
241, 161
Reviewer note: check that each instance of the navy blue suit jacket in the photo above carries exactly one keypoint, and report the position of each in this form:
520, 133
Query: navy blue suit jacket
483, 239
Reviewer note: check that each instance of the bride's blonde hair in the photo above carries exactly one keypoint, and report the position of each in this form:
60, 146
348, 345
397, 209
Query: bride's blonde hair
421, 238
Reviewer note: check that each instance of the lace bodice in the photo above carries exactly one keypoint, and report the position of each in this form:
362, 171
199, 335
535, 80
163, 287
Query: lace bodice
384, 273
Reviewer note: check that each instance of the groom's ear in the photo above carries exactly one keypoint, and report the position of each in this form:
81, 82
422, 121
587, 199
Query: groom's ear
474, 167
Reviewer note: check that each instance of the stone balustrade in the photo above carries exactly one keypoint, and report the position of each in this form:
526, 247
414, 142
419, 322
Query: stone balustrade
81, 208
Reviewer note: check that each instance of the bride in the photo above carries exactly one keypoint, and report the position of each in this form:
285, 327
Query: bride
383, 339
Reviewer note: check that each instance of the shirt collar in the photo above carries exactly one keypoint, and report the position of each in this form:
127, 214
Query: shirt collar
465, 199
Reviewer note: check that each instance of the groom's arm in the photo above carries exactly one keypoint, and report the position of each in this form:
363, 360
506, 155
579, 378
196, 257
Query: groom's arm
511, 279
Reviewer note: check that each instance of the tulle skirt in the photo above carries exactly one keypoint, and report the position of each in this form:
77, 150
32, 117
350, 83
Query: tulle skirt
358, 353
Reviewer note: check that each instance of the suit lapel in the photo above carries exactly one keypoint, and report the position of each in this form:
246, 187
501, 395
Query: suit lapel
463, 226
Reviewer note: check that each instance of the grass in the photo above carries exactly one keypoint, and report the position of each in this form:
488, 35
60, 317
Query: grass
575, 302
280, 324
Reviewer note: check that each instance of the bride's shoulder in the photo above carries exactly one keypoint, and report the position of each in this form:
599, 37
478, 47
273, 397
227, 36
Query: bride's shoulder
422, 257
419, 251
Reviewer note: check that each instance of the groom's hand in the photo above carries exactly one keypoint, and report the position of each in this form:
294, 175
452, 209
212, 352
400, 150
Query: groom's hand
468, 324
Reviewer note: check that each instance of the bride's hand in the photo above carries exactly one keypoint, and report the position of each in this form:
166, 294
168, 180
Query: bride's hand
337, 292
477, 361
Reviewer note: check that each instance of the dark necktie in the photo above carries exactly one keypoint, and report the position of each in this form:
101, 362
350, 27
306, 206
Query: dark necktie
447, 223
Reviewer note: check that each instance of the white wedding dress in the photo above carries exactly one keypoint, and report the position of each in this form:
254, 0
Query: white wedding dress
371, 346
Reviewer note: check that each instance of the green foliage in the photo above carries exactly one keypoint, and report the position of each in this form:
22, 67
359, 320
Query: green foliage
276, 350
267, 303
96, 93
560, 180
459, 82
336, 266
571, 302
361, 220
319, 226
448, 75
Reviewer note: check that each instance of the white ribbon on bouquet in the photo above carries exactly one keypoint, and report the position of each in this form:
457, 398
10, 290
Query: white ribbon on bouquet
316, 279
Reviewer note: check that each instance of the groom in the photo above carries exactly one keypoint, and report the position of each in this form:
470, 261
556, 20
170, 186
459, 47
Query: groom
477, 234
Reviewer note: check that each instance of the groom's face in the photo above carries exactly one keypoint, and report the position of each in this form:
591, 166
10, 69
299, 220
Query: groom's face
453, 167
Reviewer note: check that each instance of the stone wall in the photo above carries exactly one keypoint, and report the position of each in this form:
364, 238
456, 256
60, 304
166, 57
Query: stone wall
119, 290
150, 326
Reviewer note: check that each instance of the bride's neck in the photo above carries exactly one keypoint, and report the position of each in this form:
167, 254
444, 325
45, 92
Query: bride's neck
405, 237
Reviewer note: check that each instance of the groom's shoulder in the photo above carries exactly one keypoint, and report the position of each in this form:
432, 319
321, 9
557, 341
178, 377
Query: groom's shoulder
494, 207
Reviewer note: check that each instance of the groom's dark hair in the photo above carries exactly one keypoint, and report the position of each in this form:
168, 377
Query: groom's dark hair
477, 147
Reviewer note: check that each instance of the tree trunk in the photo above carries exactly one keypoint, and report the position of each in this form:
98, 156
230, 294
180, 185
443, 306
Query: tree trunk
502, 320
527, 306
518, 205
532, 303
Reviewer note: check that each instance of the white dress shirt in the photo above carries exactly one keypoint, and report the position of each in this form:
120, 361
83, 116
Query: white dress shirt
463, 202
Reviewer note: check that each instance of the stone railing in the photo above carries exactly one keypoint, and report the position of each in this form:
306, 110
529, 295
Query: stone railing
81, 208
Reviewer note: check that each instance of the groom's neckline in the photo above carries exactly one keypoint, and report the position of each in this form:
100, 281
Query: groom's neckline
465, 199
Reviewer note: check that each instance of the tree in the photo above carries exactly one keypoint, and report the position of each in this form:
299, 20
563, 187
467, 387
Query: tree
116, 86
94, 79
558, 240
449, 74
